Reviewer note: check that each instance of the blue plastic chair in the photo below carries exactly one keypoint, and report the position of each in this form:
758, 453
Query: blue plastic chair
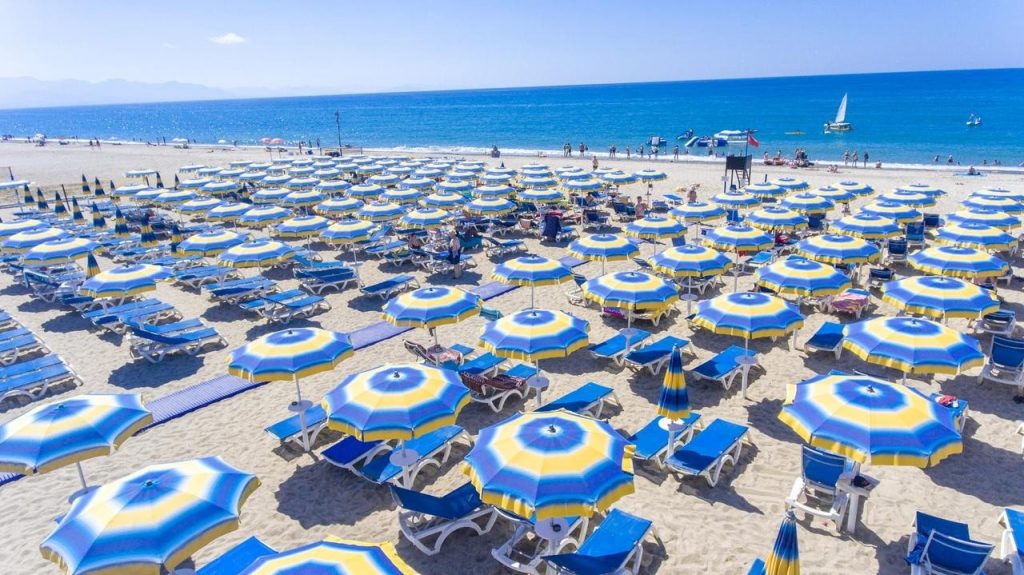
610, 548
829, 337
943, 547
707, 454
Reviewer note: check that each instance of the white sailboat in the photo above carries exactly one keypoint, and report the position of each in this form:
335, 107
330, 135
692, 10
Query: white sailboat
840, 124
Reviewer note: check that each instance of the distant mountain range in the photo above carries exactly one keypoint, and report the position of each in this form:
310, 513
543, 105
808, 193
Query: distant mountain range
27, 92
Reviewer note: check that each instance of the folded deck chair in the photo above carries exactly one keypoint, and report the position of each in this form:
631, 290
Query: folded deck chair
493, 391
654, 356
1005, 363
434, 449
155, 346
14, 348
35, 377
1012, 544
587, 399
291, 427
524, 551
237, 559
829, 337
614, 547
706, 454
651, 440
575, 294
724, 368
819, 489
338, 278
617, 346
426, 521
1002, 322
390, 286
942, 547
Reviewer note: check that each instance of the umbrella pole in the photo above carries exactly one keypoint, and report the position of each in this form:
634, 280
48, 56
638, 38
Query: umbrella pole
81, 476
302, 412
736, 273
532, 288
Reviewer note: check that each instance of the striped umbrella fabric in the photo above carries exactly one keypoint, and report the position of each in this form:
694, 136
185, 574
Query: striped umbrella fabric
431, 307
199, 205
766, 191
834, 194
495, 179
76, 212
802, 277
958, 262
785, 556
8, 229
395, 402
690, 261
147, 195
303, 198
582, 185
269, 196
365, 191
540, 196
998, 193
41, 204
993, 218
546, 465
221, 188
695, 212
655, 228
67, 432
338, 207
925, 189
334, 186
535, 334
902, 214
406, 196
1006, 205
98, 221
454, 187
425, 218
120, 226
807, 203
619, 178
167, 512
59, 251
124, 281
790, 184
304, 183
748, 315
92, 267
649, 175
301, 227
256, 253
543, 182
673, 401
290, 354
333, 556
858, 188
264, 216
631, 290
912, 345
603, 248
490, 206
909, 199
870, 420
348, 231
422, 184
978, 236
147, 239
735, 200
494, 191
939, 297
443, 200
59, 209
775, 218
866, 227
174, 197
383, 180
837, 249
207, 244
228, 212
738, 238
24, 241
532, 271
380, 212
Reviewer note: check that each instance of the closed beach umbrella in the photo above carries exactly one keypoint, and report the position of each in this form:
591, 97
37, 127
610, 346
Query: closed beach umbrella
71, 431
894, 211
834, 194
957, 262
76, 212
59, 209
912, 345
8, 229
228, 212
256, 253
974, 235
98, 221
1006, 205
264, 216
802, 277
779, 219
925, 189
302, 226
24, 241
120, 225
365, 191
909, 199
333, 556
443, 200
199, 205
603, 248
59, 251
493, 191
150, 521
270, 195
490, 206
870, 420
41, 204
407, 196
807, 203
338, 207
380, 212
993, 218
124, 281
766, 191
866, 226
940, 297
785, 556
207, 244
697, 212
348, 231
837, 249
431, 307
549, 466
302, 198
532, 271
790, 184
673, 401
147, 239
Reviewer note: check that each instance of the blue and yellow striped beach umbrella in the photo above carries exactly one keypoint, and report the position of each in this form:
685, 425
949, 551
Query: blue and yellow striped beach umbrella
348, 231
443, 200
870, 420
415, 183
425, 218
690, 261
492, 191
790, 184
532, 271
548, 465
909, 199
785, 556
256, 253
738, 238
303, 183
338, 207
59, 209
912, 345
395, 402
333, 556
538, 182
8, 229
76, 212
837, 249
27, 198
995, 218
925, 189
365, 191
176, 235
261, 216
228, 212
431, 307
807, 203
221, 188
207, 244
766, 190
775, 218
535, 334
41, 204
454, 186
540, 196
380, 212
302, 198
631, 290
802, 277
748, 315
24, 241
939, 297
619, 178
603, 248
974, 235
301, 227
834, 194
175, 197
151, 521
655, 228
147, 239
124, 281
673, 401
491, 179
587, 184
695, 212
85, 186
1006, 205
98, 221
120, 225
650, 175
384, 180
290, 354
402, 196
958, 262
894, 211
147, 196
59, 251
991, 192
199, 205
334, 186
490, 206
92, 267
269, 196
866, 226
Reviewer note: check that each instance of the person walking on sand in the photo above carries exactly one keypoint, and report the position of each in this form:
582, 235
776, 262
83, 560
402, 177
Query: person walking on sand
455, 254
865, 158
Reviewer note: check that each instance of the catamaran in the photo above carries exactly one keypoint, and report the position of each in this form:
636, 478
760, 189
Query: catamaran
840, 124
973, 121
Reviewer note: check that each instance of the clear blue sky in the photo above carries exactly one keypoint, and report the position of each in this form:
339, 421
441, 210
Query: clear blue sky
402, 44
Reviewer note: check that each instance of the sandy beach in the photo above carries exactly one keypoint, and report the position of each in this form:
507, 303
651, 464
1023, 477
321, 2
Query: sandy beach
303, 498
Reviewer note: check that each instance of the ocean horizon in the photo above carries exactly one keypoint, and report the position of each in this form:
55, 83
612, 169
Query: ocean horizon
902, 117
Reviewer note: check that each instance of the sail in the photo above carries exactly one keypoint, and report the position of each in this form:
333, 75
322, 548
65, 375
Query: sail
841, 114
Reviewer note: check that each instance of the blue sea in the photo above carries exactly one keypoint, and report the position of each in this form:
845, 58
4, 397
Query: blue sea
897, 117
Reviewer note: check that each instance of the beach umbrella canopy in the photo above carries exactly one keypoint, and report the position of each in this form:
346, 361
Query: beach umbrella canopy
834, 194
774, 218
837, 249
383, 180
802, 277
673, 401
1000, 193
957, 262
270, 195
807, 203
406, 196
253, 176
256, 253
1006, 205
264, 216
912, 345
220, 188
619, 178
603, 248
544, 182
59, 251
147, 195
650, 175
380, 212
395, 402
532, 271
302, 226
290, 354
631, 290
748, 315
431, 307
535, 334
909, 199
870, 420
694, 212
574, 185
894, 211
124, 281
199, 205
940, 297
993, 218
338, 206
765, 191
207, 244
333, 556
490, 206
495, 191
655, 228
428, 172
492, 179
175, 197
334, 186
8, 229
24, 241
690, 261
365, 191
228, 211
422, 184
738, 238
925, 189
548, 465
866, 226
348, 231
443, 200
540, 196
785, 556
455, 187
303, 198
790, 184
165, 513
978, 236
425, 218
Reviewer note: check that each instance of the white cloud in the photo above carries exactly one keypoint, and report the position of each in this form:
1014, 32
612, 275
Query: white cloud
227, 38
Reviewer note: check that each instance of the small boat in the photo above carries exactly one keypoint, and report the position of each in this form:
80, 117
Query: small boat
685, 135
973, 121
706, 142
840, 124
795, 133
733, 136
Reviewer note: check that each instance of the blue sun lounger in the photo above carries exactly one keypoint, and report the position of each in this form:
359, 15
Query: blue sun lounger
498, 248
290, 428
654, 356
238, 558
350, 453
434, 448
829, 337
943, 547
706, 454
651, 440
614, 547
757, 567
197, 276
233, 291
724, 368
6, 320
318, 280
116, 319
155, 346
390, 287
588, 399
426, 520
13, 348
14, 333
35, 377
616, 347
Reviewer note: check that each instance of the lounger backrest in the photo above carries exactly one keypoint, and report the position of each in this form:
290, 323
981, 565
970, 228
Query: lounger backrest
1007, 351
473, 382
897, 246
946, 554
619, 533
454, 505
822, 468
926, 523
